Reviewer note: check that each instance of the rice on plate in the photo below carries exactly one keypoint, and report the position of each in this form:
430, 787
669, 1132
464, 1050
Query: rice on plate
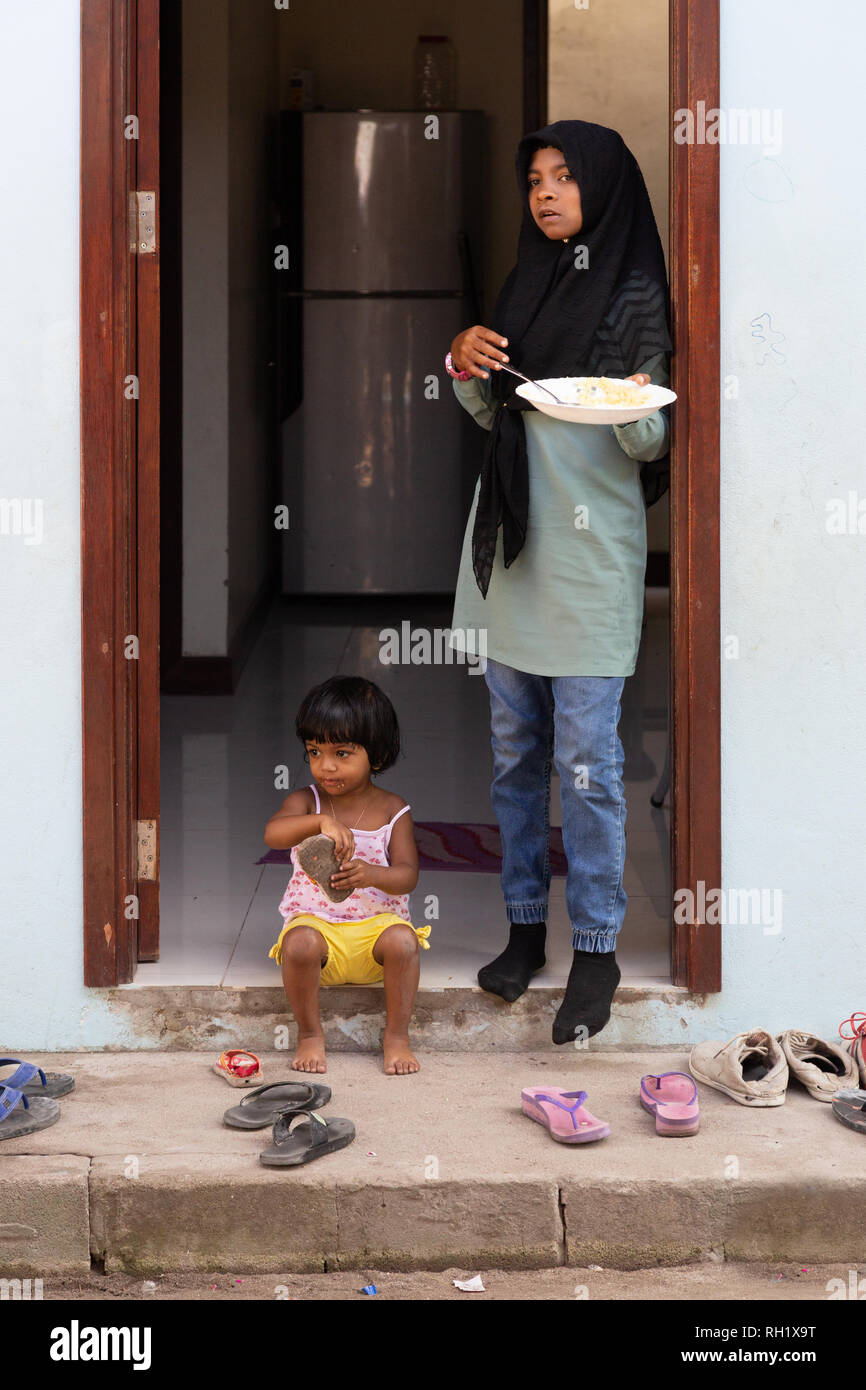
601, 390
596, 400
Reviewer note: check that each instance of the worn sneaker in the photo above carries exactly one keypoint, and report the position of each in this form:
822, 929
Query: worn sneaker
856, 1041
822, 1067
751, 1068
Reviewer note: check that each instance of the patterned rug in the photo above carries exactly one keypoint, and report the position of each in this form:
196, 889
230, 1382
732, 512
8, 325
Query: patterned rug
456, 848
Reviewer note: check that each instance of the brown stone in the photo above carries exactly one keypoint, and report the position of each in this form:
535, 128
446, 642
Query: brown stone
318, 860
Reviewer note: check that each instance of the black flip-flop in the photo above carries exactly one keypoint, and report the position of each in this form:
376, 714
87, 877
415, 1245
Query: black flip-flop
51, 1083
18, 1115
850, 1108
261, 1107
312, 1138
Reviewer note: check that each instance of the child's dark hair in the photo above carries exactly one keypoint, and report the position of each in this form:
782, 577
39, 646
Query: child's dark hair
350, 709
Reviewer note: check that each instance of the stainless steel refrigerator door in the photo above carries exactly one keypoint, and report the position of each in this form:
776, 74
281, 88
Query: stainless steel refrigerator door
383, 204
381, 472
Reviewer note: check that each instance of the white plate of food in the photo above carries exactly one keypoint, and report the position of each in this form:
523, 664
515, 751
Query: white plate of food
596, 400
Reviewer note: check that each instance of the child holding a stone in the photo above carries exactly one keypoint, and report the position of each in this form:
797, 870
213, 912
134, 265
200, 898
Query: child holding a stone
354, 864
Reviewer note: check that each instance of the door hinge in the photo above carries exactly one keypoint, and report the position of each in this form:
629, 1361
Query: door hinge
148, 852
142, 223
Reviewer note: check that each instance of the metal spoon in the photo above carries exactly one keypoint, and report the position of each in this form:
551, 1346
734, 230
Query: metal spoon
503, 368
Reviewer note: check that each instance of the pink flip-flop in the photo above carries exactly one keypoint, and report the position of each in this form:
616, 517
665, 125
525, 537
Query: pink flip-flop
563, 1114
673, 1098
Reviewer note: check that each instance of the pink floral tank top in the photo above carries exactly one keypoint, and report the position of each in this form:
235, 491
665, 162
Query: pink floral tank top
303, 895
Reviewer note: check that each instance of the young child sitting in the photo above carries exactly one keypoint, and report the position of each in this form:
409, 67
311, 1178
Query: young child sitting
349, 730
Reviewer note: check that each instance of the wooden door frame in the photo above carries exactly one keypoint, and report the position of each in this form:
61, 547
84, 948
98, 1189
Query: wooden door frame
695, 721
111, 433
109, 681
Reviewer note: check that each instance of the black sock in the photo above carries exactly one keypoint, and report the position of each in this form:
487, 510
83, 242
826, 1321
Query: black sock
592, 980
509, 974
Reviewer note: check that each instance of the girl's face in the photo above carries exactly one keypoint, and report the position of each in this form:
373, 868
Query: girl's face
554, 197
340, 768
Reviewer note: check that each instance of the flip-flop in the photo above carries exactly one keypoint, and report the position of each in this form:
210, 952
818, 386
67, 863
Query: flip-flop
51, 1083
672, 1097
567, 1124
850, 1108
19, 1115
239, 1067
261, 1107
312, 1138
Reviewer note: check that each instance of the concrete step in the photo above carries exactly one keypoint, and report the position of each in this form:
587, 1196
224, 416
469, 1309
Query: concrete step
445, 1020
141, 1174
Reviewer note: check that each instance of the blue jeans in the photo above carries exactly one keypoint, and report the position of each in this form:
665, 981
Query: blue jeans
570, 721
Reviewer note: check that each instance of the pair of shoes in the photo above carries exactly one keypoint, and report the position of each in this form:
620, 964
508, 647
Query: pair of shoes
672, 1097
239, 1067
753, 1068
282, 1103
27, 1105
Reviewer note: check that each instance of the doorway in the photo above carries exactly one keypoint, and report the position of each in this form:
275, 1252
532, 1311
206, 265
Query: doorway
226, 738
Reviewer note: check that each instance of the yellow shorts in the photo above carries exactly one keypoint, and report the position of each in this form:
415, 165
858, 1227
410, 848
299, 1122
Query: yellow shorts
350, 946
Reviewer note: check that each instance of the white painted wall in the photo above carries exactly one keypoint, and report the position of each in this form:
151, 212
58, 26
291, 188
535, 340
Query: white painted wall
793, 753
794, 764
42, 998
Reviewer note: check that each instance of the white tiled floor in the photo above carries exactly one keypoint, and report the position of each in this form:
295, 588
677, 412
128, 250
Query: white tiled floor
221, 754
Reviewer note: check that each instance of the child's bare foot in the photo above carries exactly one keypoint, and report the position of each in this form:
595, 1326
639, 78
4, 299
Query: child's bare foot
310, 1054
399, 1060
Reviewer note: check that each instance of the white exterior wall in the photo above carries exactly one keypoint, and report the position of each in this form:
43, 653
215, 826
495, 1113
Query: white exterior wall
793, 754
43, 1003
794, 764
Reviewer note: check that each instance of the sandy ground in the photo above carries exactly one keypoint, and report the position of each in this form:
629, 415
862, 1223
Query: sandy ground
690, 1282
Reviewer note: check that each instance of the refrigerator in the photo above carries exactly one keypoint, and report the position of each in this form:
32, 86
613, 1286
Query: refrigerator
382, 210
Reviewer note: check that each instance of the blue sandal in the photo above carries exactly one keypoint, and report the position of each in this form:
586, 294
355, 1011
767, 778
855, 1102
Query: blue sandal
52, 1083
38, 1113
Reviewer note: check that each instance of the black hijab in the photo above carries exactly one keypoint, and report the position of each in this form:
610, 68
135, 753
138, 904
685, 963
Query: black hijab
604, 320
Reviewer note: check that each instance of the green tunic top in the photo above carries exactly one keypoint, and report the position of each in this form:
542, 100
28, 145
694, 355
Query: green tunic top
571, 604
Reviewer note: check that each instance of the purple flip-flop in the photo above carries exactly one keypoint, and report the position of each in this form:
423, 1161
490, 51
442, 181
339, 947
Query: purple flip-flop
566, 1123
672, 1097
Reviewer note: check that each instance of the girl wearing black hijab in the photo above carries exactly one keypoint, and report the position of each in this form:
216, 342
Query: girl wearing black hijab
554, 556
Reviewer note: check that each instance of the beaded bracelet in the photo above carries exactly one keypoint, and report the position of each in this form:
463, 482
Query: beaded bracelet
458, 376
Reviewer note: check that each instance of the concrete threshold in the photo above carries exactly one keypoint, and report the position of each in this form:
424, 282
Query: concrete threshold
452, 1019
141, 1176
